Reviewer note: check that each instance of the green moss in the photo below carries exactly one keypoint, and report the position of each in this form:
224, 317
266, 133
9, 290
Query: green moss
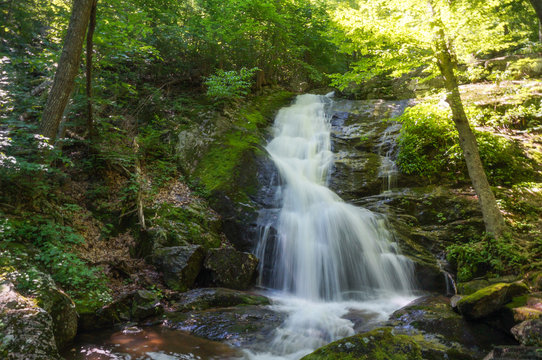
482, 293
378, 344
518, 301
193, 223
220, 168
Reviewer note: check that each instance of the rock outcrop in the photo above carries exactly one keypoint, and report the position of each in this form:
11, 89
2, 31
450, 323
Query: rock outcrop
230, 268
179, 264
26, 330
489, 299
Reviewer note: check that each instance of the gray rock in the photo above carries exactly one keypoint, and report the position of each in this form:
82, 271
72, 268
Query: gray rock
61, 308
48, 296
514, 353
26, 330
529, 332
179, 264
248, 326
230, 268
202, 299
454, 300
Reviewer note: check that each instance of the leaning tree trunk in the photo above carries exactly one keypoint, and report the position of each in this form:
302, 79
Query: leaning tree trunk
66, 71
90, 45
493, 219
537, 5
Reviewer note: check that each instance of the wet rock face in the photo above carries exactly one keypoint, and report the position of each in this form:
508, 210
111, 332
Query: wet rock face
230, 268
26, 330
245, 326
489, 299
179, 264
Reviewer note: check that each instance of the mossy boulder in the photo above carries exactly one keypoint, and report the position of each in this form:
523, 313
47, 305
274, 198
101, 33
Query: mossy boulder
207, 298
133, 306
62, 310
442, 332
379, 343
180, 265
193, 223
470, 287
489, 299
529, 333
26, 330
39, 286
230, 268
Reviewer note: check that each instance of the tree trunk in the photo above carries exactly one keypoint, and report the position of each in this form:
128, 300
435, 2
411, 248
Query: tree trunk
537, 5
493, 219
90, 44
67, 68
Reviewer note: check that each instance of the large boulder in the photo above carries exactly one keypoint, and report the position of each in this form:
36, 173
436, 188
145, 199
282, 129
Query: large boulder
489, 299
39, 286
179, 264
206, 298
529, 333
443, 332
26, 330
230, 268
248, 326
133, 306
379, 343
470, 287
427, 328
59, 305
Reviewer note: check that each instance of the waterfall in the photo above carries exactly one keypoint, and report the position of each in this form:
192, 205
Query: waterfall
324, 256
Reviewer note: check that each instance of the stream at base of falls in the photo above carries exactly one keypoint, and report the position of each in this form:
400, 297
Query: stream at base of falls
333, 269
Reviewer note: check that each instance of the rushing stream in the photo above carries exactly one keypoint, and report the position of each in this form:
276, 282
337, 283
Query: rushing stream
325, 257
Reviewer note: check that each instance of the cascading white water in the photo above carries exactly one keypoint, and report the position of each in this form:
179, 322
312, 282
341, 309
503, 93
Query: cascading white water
327, 256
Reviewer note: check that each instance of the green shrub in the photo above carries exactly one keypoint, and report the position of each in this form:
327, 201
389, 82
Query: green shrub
429, 147
427, 142
228, 86
54, 243
487, 255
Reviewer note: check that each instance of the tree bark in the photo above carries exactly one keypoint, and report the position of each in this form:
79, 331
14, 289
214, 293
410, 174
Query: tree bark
90, 45
493, 220
67, 68
537, 5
